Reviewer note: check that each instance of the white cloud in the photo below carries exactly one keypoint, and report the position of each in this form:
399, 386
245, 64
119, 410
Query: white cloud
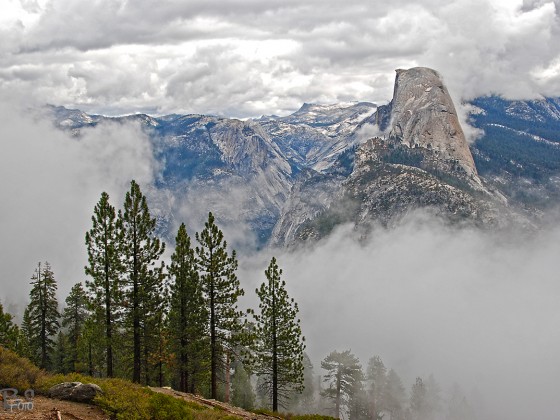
475, 308
51, 183
269, 57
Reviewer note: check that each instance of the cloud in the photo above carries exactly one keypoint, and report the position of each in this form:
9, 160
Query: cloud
244, 58
51, 183
479, 309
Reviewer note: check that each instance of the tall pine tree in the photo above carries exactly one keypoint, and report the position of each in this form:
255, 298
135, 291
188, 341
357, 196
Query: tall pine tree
221, 290
42, 315
395, 396
343, 373
188, 314
143, 279
103, 247
74, 317
377, 377
279, 344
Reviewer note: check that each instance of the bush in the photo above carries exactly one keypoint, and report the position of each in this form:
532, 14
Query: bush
18, 372
166, 407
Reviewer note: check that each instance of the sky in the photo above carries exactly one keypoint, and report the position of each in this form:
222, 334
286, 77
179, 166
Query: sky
246, 58
470, 307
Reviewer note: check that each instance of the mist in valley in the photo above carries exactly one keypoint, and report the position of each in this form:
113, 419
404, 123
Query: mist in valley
475, 308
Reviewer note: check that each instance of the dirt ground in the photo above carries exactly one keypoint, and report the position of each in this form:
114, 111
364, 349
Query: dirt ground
49, 409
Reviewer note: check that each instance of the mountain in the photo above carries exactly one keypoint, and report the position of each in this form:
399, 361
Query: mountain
297, 177
519, 151
422, 160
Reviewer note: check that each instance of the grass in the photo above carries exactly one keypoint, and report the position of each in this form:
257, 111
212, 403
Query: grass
121, 399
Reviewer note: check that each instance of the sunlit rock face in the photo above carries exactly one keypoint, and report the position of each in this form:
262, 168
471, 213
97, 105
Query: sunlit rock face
423, 116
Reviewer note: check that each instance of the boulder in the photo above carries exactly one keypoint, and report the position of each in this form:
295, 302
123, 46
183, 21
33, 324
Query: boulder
75, 391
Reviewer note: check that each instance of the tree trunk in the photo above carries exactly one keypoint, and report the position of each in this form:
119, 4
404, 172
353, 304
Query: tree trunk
274, 353
226, 397
137, 351
338, 385
108, 324
213, 345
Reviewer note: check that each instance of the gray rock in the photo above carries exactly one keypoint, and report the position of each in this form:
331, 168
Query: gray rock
75, 391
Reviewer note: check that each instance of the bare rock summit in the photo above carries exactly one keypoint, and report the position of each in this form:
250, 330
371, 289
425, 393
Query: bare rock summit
423, 116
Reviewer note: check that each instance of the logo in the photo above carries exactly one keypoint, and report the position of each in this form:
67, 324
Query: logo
11, 400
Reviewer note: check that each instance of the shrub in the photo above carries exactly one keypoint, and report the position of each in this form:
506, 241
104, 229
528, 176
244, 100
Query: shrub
17, 372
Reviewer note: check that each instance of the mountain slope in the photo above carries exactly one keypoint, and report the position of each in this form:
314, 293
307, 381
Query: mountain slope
297, 177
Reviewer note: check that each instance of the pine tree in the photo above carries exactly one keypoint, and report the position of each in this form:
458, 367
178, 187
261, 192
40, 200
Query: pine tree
74, 316
305, 402
419, 407
9, 331
343, 373
92, 349
43, 315
26, 336
377, 376
279, 342
158, 347
358, 404
103, 247
395, 396
242, 390
61, 362
221, 290
144, 279
433, 396
188, 314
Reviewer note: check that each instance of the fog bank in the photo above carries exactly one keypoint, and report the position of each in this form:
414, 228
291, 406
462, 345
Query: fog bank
475, 308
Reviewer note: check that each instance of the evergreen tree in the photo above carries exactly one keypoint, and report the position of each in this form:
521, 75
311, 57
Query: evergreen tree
188, 314
26, 336
343, 373
358, 404
159, 357
143, 279
424, 399
305, 402
103, 242
433, 395
242, 390
42, 315
74, 316
377, 377
419, 407
9, 332
279, 343
395, 396
92, 349
221, 290
61, 363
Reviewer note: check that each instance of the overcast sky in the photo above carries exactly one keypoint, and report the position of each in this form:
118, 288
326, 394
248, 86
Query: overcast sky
251, 57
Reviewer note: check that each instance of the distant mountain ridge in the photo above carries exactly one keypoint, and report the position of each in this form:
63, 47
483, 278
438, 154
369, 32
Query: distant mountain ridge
297, 177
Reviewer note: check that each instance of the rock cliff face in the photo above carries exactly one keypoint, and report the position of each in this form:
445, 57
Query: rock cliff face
297, 177
423, 161
423, 115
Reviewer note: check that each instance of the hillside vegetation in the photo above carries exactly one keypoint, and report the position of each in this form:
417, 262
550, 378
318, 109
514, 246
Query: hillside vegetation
123, 399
